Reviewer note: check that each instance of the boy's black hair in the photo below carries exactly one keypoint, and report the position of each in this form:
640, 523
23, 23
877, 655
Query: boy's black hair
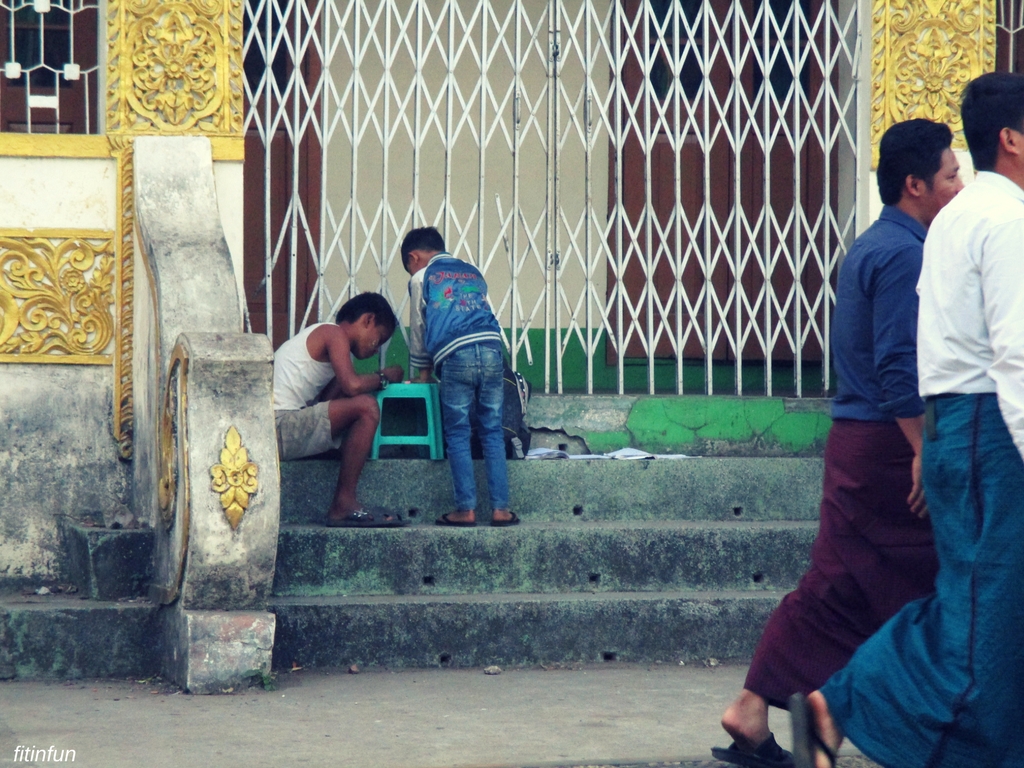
372, 303
910, 148
991, 102
424, 238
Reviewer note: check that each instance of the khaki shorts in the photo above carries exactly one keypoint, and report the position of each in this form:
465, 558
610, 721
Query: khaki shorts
305, 432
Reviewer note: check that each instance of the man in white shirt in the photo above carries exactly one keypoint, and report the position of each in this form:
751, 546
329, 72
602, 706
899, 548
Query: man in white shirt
940, 685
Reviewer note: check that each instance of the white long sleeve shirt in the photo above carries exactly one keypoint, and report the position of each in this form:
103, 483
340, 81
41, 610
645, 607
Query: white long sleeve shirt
418, 357
970, 332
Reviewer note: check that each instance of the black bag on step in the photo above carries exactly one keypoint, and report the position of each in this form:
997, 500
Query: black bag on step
516, 435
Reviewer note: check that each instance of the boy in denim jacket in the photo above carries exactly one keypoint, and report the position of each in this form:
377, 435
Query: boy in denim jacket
454, 331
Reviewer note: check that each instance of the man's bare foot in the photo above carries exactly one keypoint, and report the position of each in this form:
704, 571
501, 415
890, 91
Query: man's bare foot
827, 729
746, 720
816, 737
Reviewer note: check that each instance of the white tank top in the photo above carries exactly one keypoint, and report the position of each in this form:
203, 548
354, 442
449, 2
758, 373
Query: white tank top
298, 378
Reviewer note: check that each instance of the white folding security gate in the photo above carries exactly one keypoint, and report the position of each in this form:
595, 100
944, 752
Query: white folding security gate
653, 182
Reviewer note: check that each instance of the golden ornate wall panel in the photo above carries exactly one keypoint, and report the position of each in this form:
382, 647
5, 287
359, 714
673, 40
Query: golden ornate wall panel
924, 53
175, 67
56, 296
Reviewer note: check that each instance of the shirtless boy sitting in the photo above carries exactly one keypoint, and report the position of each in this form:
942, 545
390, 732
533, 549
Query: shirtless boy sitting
319, 399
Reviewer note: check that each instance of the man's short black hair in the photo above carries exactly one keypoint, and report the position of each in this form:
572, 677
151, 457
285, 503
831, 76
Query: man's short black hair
911, 148
424, 238
991, 102
369, 303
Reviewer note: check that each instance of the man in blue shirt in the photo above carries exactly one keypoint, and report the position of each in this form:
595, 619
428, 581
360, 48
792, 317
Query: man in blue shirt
874, 551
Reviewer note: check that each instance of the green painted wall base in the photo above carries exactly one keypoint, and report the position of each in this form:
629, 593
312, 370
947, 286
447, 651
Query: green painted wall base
697, 426
694, 424
724, 374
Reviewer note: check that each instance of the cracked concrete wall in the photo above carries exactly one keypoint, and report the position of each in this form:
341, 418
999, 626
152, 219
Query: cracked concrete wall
57, 458
698, 425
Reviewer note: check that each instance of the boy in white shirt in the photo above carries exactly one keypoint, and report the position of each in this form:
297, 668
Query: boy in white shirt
319, 399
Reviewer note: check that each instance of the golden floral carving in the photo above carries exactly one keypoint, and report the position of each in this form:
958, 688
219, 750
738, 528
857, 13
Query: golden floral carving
175, 67
234, 478
924, 52
56, 296
122, 148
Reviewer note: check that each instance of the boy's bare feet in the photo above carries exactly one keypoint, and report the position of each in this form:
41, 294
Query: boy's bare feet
746, 720
461, 516
502, 516
344, 505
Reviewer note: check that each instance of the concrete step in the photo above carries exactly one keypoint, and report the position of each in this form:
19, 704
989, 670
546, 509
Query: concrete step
542, 558
60, 637
703, 488
503, 629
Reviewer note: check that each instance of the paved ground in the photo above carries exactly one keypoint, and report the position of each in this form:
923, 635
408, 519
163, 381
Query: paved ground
612, 714
844, 762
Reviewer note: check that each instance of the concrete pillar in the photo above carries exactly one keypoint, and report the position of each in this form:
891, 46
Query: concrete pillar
206, 450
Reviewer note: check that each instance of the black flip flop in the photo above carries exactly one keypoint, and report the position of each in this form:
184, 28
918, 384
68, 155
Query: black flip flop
514, 520
445, 520
806, 741
768, 755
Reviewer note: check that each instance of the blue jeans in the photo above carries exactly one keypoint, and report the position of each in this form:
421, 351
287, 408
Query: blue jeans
473, 374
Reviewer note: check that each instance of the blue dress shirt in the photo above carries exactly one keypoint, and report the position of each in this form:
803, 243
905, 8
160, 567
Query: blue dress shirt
874, 327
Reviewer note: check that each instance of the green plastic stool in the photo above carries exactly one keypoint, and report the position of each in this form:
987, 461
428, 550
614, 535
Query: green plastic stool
434, 439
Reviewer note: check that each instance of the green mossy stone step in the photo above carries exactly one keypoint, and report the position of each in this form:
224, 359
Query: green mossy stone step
57, 637
542, 558
690, 489
479, 630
